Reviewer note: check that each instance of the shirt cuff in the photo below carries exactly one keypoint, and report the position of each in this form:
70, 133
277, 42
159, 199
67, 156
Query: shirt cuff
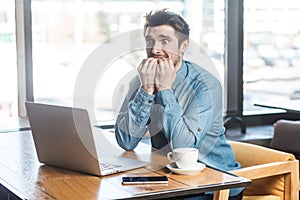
144, 98
141, 106
166, 97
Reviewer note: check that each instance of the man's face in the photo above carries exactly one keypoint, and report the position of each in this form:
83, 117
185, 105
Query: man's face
162, 42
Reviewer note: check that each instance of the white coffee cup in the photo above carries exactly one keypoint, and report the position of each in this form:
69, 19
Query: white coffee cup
185, 158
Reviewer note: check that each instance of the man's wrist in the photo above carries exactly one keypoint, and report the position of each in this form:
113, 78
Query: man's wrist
148, 89
162, 88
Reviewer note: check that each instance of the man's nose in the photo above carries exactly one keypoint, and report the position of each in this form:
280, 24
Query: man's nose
156, 48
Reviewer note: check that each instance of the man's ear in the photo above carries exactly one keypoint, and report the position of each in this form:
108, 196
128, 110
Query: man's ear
184, 45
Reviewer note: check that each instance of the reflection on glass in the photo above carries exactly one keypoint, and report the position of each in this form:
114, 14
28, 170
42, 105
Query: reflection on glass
65, 32
8, 63
271, 51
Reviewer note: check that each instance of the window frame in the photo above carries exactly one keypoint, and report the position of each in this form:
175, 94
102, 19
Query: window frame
24, 54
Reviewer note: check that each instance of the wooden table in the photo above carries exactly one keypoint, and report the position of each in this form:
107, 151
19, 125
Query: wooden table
23, 177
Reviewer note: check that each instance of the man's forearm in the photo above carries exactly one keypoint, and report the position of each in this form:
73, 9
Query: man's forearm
178, 131
132, 121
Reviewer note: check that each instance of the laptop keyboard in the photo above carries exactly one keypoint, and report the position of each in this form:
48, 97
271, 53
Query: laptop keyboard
106, 166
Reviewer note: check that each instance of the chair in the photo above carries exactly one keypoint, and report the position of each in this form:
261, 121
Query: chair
274, 173
287, 137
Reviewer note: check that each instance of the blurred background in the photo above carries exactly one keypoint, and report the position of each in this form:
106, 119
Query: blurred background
65, 32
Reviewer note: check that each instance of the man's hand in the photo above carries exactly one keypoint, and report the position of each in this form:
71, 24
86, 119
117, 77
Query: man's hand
165, 74
146, 71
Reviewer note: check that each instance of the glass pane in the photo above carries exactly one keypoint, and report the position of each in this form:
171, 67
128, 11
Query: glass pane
271, 52
66, 32
8, 63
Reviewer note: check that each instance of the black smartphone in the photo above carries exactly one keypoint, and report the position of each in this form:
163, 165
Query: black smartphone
129, 180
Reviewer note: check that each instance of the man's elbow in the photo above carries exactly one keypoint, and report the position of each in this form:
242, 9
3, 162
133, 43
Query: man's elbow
126, 147
124, 144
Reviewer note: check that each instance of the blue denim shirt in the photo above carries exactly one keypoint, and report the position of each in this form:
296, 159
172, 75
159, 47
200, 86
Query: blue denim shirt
188, 115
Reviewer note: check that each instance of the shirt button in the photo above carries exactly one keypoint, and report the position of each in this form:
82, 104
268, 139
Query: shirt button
150, 101
199, 129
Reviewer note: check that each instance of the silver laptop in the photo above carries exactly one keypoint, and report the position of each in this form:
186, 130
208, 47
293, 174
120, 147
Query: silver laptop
63, 137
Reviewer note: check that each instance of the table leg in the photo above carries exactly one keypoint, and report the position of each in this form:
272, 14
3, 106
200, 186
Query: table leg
221, 195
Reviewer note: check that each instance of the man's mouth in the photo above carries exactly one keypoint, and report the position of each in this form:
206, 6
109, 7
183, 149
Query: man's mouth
159, 56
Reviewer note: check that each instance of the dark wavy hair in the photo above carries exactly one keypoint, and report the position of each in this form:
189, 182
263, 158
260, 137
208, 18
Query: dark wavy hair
165, 17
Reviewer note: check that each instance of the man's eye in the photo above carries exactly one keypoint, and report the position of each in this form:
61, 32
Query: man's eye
165, 41
149, 42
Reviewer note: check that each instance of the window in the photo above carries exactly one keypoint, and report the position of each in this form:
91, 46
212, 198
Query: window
271, 52
8, 61
66, 32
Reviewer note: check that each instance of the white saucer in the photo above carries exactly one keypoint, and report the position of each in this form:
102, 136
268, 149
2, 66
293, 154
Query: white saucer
195, 170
